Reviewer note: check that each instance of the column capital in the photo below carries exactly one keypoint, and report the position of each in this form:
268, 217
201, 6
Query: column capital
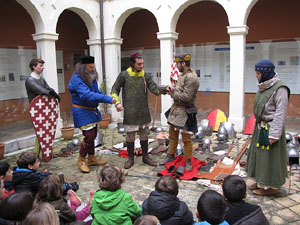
236, 30
167, 35
45, 36
113, 40
96, 41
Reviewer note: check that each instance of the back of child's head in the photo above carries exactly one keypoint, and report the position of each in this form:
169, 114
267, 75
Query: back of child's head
26, 159
111, 178
211, 207
147, 220
44, 214
50, 189
167, 184
234, 188
4, 167
16, 206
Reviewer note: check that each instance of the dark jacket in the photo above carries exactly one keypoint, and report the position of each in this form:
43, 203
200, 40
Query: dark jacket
243, 213
27, 180
167, 208
35, 87
66, 215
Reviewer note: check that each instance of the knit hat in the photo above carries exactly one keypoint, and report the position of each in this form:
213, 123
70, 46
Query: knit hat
86, 59
266, 68
183, 57
135, 55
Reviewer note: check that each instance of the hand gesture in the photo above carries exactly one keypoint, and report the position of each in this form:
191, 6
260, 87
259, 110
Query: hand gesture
170, 89
114, 101
119, 107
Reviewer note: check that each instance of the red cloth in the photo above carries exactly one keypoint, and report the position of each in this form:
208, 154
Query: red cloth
180, 161
123, 154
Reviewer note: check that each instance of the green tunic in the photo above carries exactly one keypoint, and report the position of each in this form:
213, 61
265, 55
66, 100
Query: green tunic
268, 167
135, 97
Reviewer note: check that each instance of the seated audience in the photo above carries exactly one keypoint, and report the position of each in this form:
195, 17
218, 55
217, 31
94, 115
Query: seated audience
111, 204
43, 214
165, 205
211, 209
237, 210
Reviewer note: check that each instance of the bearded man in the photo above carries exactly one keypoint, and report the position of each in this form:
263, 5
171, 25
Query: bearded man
86, 96
135, 83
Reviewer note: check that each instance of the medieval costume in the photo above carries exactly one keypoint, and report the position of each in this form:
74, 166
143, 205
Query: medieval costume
266, 163
182, 114
85, 100
135, 85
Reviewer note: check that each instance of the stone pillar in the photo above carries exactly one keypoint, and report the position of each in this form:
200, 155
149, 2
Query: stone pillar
45, 44
95, 50
113, 67
237, 74
167, 52
46, 50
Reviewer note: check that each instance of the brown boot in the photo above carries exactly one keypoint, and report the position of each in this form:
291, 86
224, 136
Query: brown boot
92, 160
82, 165
169, 158
146, 158
130, 150
149, 161
264, 192
129, 163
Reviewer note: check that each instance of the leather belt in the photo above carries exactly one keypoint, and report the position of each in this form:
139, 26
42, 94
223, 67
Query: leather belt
85, 107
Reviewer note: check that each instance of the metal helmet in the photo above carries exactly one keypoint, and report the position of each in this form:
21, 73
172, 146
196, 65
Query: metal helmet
200, 132
293, 152
76, 141
159, 129
222, 137
288, 137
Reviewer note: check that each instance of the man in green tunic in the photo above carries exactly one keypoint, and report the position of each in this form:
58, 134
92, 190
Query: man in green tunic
267, 158
135, 84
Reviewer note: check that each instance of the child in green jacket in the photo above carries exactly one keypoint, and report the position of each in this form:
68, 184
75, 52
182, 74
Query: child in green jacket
111, 204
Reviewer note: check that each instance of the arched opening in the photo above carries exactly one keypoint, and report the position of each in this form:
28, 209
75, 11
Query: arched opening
17, 48
274, 34
70, 45
203, 33
139, 34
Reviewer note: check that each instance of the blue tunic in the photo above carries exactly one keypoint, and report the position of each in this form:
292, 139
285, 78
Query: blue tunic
87, 96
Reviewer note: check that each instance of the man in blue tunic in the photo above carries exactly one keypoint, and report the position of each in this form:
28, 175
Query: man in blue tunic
86, 96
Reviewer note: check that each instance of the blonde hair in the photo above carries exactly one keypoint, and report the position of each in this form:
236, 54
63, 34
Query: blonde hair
43, 214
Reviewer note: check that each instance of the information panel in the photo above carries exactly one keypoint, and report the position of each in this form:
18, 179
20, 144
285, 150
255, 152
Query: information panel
14, 69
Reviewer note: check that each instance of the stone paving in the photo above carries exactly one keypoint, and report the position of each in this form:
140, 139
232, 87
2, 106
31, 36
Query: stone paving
284, 208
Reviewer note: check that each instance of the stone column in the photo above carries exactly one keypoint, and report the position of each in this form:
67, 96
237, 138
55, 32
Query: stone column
237, 74
113, 67
95, 50
45, 44
167, 52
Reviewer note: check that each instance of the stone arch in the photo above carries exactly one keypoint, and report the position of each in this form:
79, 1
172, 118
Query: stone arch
34, 14
87, 17
185, 5
248, 10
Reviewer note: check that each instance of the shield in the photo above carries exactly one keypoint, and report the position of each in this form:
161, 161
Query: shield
216, 117
44, 113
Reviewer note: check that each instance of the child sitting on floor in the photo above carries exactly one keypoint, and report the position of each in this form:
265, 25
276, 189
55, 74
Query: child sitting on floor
27, 178
111, 204
237, 210
211, 208
165, 205
51, 192
7, 174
